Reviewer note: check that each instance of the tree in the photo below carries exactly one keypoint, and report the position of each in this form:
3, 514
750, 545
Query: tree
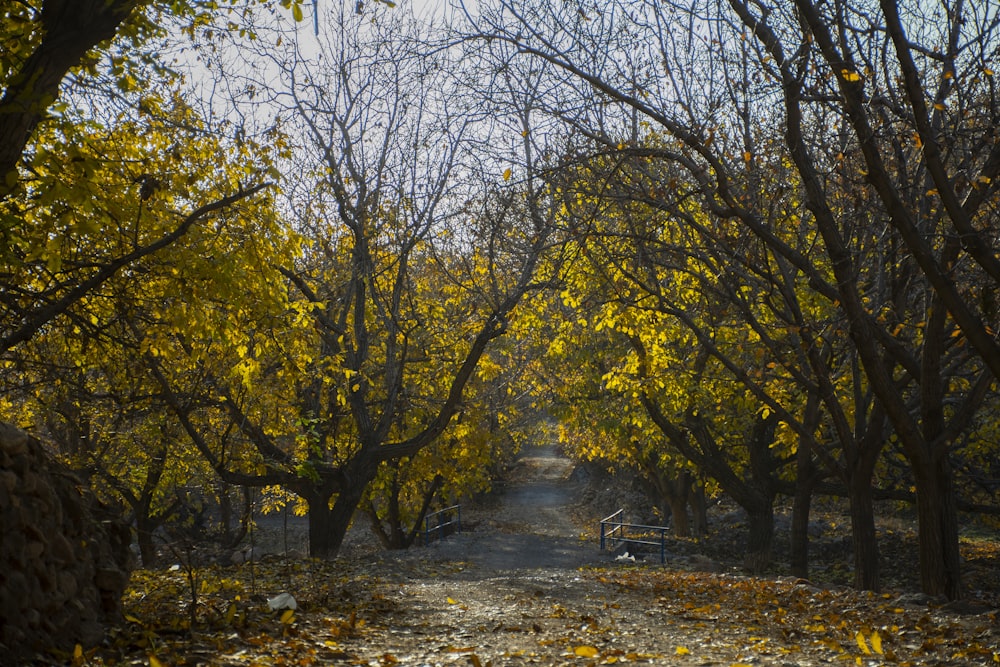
407, 278
46, 45
712, 89
122, 190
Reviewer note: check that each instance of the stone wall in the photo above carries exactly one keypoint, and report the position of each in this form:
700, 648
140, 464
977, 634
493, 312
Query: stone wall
64, 560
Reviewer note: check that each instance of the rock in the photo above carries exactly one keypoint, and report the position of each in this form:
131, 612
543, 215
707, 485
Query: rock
916, 600
701, 563
282, 601
966, 607
61, 550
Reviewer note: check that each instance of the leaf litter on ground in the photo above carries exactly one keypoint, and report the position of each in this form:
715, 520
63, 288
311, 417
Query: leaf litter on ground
472, 603
387, 612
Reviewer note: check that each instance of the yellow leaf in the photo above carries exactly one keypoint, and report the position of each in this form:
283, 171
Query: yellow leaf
747, 156
77, 652
682, 651
474, 660
988, 72
586, 651
154, 661
132, 619
939, 106
877, 643
850, 76
862, 644
288, 616
451, 601
297, 12
506, 174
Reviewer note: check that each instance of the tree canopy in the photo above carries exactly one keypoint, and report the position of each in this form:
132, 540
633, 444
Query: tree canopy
749, 247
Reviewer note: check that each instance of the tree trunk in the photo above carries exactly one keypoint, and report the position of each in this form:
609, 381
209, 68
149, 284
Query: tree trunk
72, 28
322, 542
699, 509
866, 556
760, 539
937, 516
226, 530
805, 483
800, 527
144, 529
679, 516
668, 494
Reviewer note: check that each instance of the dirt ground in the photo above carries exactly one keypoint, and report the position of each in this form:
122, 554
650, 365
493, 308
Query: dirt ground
527, 584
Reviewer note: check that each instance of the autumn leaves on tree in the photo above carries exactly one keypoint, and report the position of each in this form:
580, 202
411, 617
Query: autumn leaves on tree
746, 249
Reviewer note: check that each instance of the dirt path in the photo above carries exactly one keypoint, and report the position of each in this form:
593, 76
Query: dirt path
508, 592
517, 590
531, 528
524, 588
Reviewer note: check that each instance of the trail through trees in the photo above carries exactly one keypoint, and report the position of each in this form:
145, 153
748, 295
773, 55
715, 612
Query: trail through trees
523, 587
532, 527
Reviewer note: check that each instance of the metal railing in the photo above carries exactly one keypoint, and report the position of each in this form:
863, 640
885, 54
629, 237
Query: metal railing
436, 523
614, 531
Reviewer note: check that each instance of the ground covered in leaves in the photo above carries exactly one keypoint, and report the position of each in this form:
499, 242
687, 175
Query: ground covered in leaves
528, 586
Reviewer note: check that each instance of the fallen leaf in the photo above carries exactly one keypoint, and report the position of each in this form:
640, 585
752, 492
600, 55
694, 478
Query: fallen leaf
876, 640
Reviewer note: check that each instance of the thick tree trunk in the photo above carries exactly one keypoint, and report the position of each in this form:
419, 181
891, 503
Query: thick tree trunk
866, 556
668, 494
323, 543
680, 499
679, 516
328, 525
937, 516
760, 540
